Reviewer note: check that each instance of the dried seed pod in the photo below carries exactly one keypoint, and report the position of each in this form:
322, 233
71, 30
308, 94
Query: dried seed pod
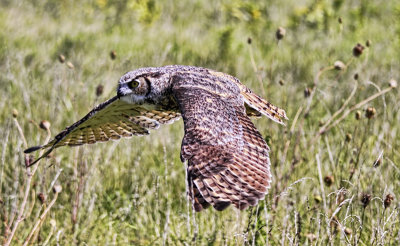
377, 162
348, 231
349, 137
329, 180
355, 76
307, 92
339, 65
45, 125
393, 83
365, 199
318, 199
358, 50
249, 40
14, 113
358, 115
99, 90
340, 20
41, 197
113, 55
57, 188
368, 43
70, 65
370, 112
61, 58
388, 200
280, 33
281, 82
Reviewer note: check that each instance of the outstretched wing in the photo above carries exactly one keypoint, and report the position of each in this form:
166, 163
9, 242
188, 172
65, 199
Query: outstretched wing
110, 120
227, 157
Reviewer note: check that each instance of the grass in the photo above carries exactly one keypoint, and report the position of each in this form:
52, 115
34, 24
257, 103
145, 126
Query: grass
329, 188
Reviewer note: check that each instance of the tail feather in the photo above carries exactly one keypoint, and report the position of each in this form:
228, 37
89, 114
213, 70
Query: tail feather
274, 113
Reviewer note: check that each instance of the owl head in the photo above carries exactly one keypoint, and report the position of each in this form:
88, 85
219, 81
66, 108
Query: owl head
141, 84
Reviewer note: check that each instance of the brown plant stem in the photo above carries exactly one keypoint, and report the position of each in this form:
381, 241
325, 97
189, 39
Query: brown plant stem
316, 80
323, 129
29, 175
41, 219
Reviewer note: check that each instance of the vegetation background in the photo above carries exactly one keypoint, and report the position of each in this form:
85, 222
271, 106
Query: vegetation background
336, 171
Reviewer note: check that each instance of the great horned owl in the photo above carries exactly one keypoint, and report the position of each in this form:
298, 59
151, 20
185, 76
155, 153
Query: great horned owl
227, 158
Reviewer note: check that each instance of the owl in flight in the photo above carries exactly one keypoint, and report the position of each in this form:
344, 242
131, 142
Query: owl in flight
227, 158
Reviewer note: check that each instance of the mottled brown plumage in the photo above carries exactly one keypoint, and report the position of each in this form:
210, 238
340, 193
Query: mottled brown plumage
227, 158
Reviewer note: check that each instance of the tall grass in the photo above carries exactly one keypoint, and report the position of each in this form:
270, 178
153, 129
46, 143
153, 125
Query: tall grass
336, 172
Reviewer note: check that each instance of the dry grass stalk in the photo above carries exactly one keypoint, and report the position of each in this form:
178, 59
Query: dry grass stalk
57, 190
327, 126
29, 175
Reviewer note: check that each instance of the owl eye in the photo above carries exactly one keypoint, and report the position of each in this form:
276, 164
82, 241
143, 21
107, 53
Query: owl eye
133, 84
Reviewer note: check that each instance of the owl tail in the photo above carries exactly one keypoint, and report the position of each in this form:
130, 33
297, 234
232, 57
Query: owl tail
274, 113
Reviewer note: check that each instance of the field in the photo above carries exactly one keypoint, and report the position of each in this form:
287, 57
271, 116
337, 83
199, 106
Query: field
335, 165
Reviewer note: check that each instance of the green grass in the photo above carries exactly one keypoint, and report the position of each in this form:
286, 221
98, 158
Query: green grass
133, 191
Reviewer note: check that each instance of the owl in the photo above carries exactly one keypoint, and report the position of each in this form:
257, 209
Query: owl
227, 158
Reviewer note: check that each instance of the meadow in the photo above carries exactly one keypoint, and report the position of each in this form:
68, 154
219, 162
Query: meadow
332, 65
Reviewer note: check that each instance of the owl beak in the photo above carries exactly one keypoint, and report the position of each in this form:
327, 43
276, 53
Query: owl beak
119, 94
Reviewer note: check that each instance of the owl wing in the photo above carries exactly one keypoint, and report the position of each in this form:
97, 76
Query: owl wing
227, 157
110, 120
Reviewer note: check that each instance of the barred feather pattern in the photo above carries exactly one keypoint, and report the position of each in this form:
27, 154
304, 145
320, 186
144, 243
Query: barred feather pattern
228, 161
227, 158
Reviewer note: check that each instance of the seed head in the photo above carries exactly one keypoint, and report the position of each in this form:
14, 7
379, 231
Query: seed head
358, 115
348, 231
388, 200
249, 40
349, 137
339, 65
14, 113
280, 33
329, 180
368, 43
355, 76
45, 125
281, 82
358, 50
61, 58
99, 90
393, 83
70, 65
377, 162
317, 199
41, 197
340, 20
307, 92
57, 188
113, 55
365, 199
370, 112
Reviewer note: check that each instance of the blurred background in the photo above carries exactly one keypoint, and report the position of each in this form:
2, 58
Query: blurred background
332, 65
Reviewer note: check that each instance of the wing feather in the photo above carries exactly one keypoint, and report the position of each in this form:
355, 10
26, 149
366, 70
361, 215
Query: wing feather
227, 157
110, 120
